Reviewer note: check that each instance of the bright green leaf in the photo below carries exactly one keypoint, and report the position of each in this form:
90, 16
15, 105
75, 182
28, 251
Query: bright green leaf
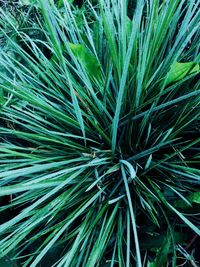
86, 59
180, 70
192, 198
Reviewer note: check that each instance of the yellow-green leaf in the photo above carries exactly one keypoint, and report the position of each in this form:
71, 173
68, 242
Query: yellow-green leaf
87, 60
181, 70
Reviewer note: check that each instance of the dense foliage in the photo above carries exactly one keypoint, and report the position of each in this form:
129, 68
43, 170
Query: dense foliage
99, 133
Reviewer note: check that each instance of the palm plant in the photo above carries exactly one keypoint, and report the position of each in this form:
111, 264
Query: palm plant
100, 134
